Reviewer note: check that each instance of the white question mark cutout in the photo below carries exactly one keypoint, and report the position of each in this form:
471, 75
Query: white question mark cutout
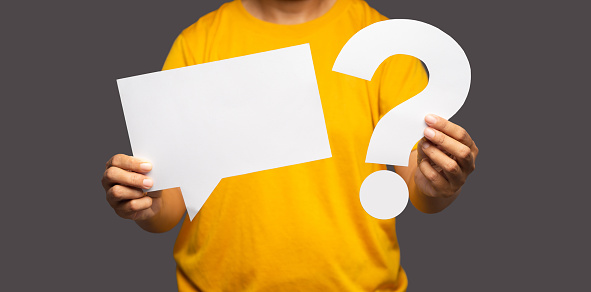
384, 194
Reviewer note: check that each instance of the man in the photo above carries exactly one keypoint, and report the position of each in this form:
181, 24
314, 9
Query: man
301, 227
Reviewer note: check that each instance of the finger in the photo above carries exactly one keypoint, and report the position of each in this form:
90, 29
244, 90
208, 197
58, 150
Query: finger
420, 153
451, 169
136, 205
114, 175
129, 163
450, 129
432, 175
461, 152
119, 193
129, 209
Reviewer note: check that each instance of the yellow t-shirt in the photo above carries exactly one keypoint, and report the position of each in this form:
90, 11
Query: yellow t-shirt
301, 227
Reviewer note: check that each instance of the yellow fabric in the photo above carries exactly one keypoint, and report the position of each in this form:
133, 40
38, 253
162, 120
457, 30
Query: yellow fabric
301, 227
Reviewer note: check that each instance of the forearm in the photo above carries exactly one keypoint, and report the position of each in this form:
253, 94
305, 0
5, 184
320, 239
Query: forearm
171, 211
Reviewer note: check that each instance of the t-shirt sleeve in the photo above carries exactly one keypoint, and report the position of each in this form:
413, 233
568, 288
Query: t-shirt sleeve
400, 78
179, 55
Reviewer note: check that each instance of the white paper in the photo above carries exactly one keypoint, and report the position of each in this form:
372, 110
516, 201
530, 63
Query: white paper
383, 194
449, 81
202, 123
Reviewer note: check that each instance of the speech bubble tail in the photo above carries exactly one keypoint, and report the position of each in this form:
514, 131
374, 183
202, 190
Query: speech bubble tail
196, 196
383, 194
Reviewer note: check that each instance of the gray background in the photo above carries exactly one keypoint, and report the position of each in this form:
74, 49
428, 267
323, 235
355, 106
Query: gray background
521, 223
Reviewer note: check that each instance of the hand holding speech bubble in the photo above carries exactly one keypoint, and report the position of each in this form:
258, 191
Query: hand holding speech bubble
202, 123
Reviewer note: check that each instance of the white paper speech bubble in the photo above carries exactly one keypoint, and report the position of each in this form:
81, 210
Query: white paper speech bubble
202, 123
396, 133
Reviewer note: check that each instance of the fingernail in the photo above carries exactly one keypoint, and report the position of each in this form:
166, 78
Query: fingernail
426, 145
431, 119
429, 133
148, 183
146, 166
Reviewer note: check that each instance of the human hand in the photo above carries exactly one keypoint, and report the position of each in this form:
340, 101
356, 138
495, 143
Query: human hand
445, 158
124, 181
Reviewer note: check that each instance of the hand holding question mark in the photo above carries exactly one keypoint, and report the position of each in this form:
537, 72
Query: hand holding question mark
384, 194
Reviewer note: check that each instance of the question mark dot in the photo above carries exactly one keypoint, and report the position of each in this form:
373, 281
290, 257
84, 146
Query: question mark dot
384, 194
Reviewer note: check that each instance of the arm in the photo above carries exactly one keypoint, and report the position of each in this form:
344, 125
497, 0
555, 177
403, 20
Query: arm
439, 167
